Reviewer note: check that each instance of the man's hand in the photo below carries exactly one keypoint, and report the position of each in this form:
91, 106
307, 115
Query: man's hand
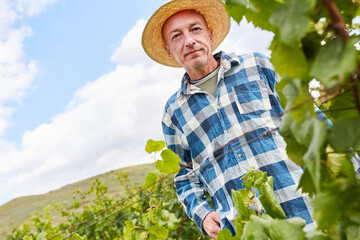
211, 224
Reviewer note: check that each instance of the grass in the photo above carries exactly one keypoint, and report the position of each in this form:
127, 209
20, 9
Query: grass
18, 210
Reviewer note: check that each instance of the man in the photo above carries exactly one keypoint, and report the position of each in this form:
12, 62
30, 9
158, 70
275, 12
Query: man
217, 120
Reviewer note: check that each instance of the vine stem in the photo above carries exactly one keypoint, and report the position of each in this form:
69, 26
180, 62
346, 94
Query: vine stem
340, 28
337, 21
355, 89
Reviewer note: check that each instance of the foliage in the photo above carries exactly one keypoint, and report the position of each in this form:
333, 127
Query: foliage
268, 220
316, 39
152, 212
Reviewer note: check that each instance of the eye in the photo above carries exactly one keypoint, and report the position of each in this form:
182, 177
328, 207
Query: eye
175, 36
196, 29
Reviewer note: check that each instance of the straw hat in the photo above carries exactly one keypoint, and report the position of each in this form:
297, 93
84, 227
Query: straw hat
214, 12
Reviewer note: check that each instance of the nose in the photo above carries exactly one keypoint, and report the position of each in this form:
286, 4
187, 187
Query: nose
189, 41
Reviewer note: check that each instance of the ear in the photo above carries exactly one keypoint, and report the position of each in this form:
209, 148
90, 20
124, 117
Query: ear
168, 51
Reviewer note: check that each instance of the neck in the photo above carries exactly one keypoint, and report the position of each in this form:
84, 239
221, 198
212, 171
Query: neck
198, 73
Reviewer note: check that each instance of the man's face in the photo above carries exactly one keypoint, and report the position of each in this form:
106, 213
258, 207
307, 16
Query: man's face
188, 40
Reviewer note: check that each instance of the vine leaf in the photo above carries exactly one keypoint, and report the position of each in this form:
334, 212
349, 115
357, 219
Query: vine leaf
256, 11
292, 20
306, 184
239, 204
170, 162
312, 156
254, 230
159, 231
154, 146
41, 236
151, 178
345, 134
284, 230
336, 58
225, 234
269, 201
288, 60
295, 150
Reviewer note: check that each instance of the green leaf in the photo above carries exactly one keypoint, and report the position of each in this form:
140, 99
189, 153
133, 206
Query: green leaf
295, 151
316, 235
225, 234
236, 9
254, 230
151, 179
289, 60
322, 203
345, 101
239, 204
41, 236
243, 3
303, 132
353, 232
312, 156
260, 178
130, 224
59, 237
256, 11
141, 236
269, 201
78, 237
247, 196
284, 230
292, 19
297, 222
339, 165
159, 231
302, 106
265, 220
170, 162
335, 59
306, 183
154, 146
345, 134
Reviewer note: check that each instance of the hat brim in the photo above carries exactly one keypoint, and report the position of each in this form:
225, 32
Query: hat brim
213, 11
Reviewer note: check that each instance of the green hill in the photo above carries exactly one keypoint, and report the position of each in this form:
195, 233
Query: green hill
19, 210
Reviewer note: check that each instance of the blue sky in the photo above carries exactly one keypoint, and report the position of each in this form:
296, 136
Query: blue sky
89, 35
78, 95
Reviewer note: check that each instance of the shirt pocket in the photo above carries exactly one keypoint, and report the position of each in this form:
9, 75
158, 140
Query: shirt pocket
252, 97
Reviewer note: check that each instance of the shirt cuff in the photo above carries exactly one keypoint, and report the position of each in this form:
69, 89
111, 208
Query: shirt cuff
199, 215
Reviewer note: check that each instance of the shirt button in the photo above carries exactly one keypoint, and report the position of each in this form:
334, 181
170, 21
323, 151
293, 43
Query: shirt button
240, 155
229, 130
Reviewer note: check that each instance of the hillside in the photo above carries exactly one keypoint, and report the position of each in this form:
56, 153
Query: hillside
20, 209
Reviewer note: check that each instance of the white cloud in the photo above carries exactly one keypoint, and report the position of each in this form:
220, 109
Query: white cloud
245, 38
128, 52
16, 74
107, 123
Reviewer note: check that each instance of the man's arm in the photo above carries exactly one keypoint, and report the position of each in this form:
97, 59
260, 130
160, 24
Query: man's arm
189, 189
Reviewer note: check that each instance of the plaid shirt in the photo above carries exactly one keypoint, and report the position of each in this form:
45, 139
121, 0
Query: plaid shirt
201, 129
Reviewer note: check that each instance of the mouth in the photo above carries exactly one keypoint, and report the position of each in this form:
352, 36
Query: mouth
192, 52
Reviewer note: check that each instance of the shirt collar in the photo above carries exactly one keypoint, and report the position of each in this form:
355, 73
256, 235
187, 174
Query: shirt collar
226, 62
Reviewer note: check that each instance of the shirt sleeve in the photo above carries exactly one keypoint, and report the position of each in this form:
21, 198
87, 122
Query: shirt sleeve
189, 189
272, 77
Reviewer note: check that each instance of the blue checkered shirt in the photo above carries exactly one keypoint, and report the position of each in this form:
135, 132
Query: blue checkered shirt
217, 139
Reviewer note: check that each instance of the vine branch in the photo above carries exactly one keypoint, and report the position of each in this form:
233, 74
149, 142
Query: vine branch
353, 79
337, 20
